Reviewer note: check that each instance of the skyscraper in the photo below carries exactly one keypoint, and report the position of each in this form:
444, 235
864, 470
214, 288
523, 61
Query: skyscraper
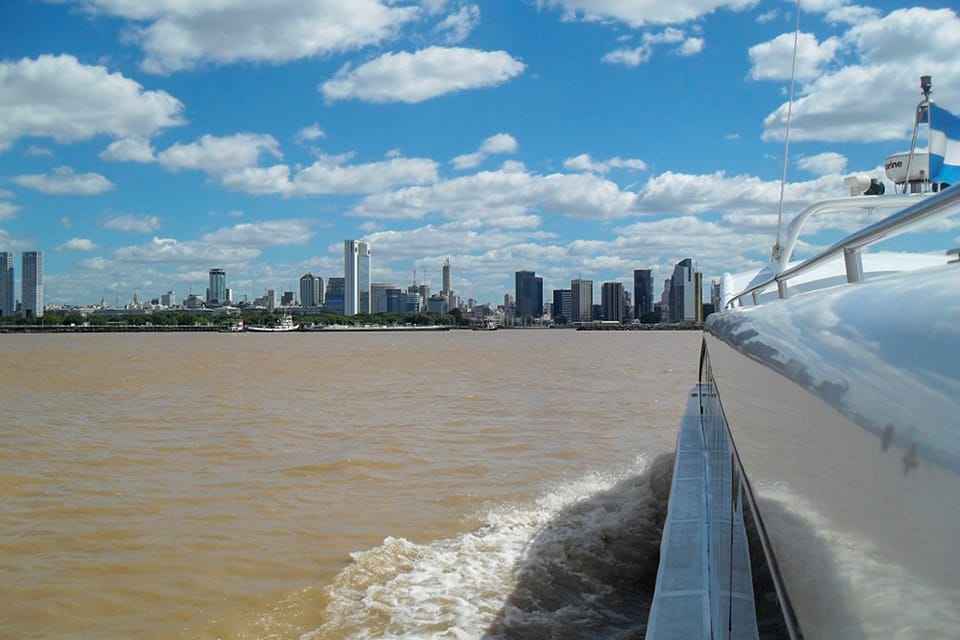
32, 276
529, 290
356, 277
378, 297
447, 290
217, 289
561, 304
446, 276
309, 290
8, 304
698, 296
611, 301
642, 292
581, 300
333, 301
682, 300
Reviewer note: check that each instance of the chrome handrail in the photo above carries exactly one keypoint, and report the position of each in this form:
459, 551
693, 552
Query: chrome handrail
940, 204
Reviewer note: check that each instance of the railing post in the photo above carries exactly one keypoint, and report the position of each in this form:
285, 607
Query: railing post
853, 263
782, 289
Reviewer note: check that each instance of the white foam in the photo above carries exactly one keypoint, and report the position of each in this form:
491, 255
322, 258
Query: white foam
452, 588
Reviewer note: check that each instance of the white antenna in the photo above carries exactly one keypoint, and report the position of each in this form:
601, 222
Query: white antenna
786, 137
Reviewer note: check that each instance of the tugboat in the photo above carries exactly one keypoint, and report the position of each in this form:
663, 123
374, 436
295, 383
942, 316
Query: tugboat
286, 324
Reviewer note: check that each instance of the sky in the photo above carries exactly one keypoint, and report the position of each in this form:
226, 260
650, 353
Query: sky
144, 143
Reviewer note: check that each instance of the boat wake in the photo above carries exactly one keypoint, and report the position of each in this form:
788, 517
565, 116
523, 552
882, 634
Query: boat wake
580, 561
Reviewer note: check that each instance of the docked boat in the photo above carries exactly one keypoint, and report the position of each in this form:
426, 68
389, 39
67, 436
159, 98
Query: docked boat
821, 442
285, 324
380, 328
233, 327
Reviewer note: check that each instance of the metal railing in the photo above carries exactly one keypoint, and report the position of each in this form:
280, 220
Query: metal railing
941, 204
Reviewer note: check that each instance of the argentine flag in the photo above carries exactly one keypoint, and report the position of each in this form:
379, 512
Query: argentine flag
944, 146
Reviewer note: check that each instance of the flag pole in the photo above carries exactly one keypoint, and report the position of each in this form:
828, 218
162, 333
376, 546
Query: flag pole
922, 115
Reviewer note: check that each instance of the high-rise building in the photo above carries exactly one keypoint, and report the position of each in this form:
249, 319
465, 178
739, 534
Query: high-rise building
446, 276
217, 289
437, 304
698, 296
642, 292
356, 277
8, 303
682, 288
395, 296
32, 283
168, 299
378, 300
447, 290
529, 290
561, 304
581, 300
309, 290
611, 301
334, 298
411, 302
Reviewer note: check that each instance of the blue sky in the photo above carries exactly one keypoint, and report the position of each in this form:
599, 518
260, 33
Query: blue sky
143, 143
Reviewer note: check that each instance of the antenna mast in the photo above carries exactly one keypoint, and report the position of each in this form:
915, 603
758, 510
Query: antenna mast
786, 137
922, 115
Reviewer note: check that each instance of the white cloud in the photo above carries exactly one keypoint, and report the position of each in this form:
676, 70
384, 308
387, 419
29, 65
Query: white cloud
671, 193
171, 251
497, 144
638, 13
77, 244
823, 163
328, 175
498, 194
853, 14
8, 210
311, 133
35, 151
63, 181
422, 75
872, 99
768, 16
131, 223
629, 57
60, 98
635, 56
182, 35
128, 150
584, 162
772, 60
220, 154
271, 232
691, 47
457, 26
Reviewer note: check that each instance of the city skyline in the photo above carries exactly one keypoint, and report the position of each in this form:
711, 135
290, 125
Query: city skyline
565, 137
217, 293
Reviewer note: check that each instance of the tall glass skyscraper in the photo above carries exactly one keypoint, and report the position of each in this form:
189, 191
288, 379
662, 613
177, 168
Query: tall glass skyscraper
217, 291
611, 301
642, 292
682, 292
32, 283
8, 305
529, 290
356, 277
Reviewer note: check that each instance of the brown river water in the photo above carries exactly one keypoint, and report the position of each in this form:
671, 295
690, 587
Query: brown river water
316, 485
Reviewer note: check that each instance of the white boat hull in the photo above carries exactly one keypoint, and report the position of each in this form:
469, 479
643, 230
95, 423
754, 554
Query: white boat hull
844, 409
